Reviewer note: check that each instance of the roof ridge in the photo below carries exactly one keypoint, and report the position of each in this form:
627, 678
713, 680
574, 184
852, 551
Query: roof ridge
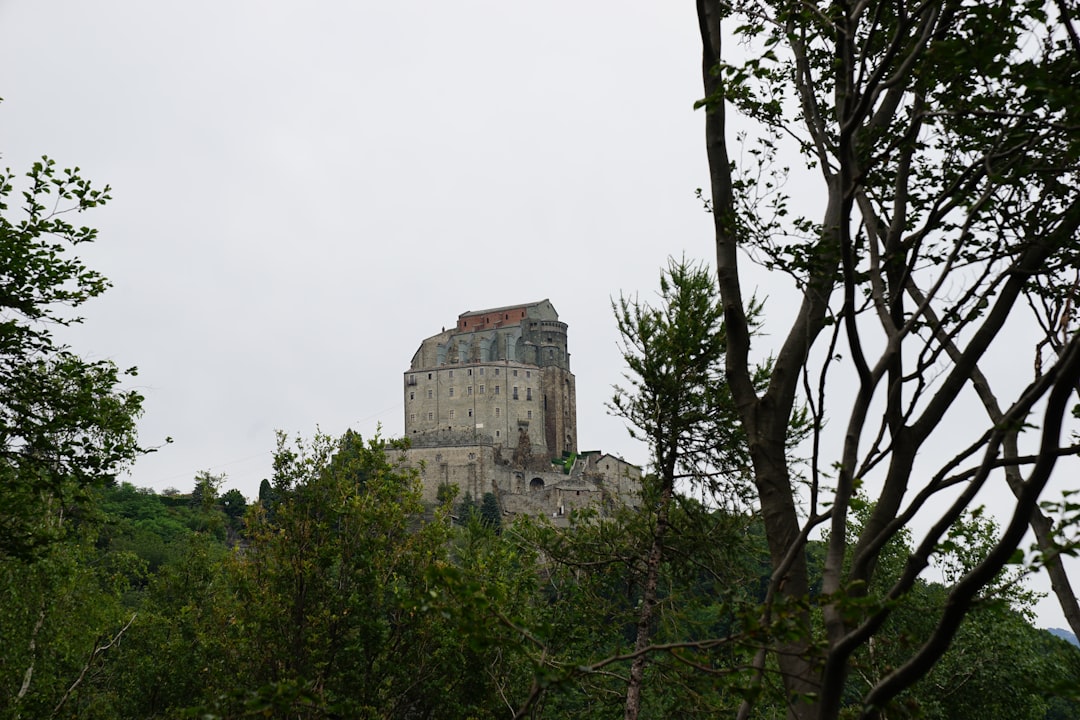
503, 308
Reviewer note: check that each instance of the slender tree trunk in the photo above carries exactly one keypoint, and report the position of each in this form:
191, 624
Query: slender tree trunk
798, 667
649, 599
29, 674
765, 419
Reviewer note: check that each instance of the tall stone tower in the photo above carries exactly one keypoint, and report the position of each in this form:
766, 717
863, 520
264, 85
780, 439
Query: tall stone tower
500, 377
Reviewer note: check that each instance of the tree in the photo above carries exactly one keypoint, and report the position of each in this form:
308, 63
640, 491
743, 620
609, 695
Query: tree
178, 646
675, 355
993, 667
65, 424
639, 594
266, 493
467, 507
205, 493
136, 520
490, 514
944, 141
61, 621
336, 607
234, 504
599, 577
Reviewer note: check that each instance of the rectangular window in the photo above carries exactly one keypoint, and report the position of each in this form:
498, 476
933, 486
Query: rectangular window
482, 389
496, 371
496, 389
412, 395
515, 373
451, 392
412, 417
429, 392
528, 393
529, 415
451, 373
481, 371
431, 416
498, 412
470, 371
528, 373
451, 414
468, 390
515, 392
429, 376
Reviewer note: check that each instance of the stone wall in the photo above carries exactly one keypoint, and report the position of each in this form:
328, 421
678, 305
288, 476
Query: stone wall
502, 374
539, 490
491, 400
470, 467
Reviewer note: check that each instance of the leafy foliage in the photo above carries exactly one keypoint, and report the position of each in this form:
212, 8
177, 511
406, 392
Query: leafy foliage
65, 424
677, 399
331, 608
444, 620
490, 514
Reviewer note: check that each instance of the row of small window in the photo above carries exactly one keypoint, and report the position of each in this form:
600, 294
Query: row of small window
468, 371
483, 391
498, 413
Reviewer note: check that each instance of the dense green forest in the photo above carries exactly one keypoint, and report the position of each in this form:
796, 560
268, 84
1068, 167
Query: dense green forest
337, 594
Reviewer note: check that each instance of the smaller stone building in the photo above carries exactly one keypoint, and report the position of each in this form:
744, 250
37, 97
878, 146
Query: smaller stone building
594, 479
589, 479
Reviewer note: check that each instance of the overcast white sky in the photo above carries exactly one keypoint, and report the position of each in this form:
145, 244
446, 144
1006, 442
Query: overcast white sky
304, 191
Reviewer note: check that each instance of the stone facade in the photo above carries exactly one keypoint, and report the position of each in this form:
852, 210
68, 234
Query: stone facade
490, 406
502, 375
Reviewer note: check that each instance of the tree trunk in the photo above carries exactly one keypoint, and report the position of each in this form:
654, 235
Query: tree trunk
648, 600
765, 419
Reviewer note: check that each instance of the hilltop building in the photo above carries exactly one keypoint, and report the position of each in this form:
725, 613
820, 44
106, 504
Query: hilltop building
490, 406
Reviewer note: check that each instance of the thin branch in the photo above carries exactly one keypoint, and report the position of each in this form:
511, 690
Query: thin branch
97, 651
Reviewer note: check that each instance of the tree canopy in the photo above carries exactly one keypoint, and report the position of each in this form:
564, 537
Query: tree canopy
66, 424
942, 140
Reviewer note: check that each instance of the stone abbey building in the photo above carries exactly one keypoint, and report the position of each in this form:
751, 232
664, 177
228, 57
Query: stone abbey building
490, 406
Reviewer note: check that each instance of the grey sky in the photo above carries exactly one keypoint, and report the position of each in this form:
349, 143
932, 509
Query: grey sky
304, 191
